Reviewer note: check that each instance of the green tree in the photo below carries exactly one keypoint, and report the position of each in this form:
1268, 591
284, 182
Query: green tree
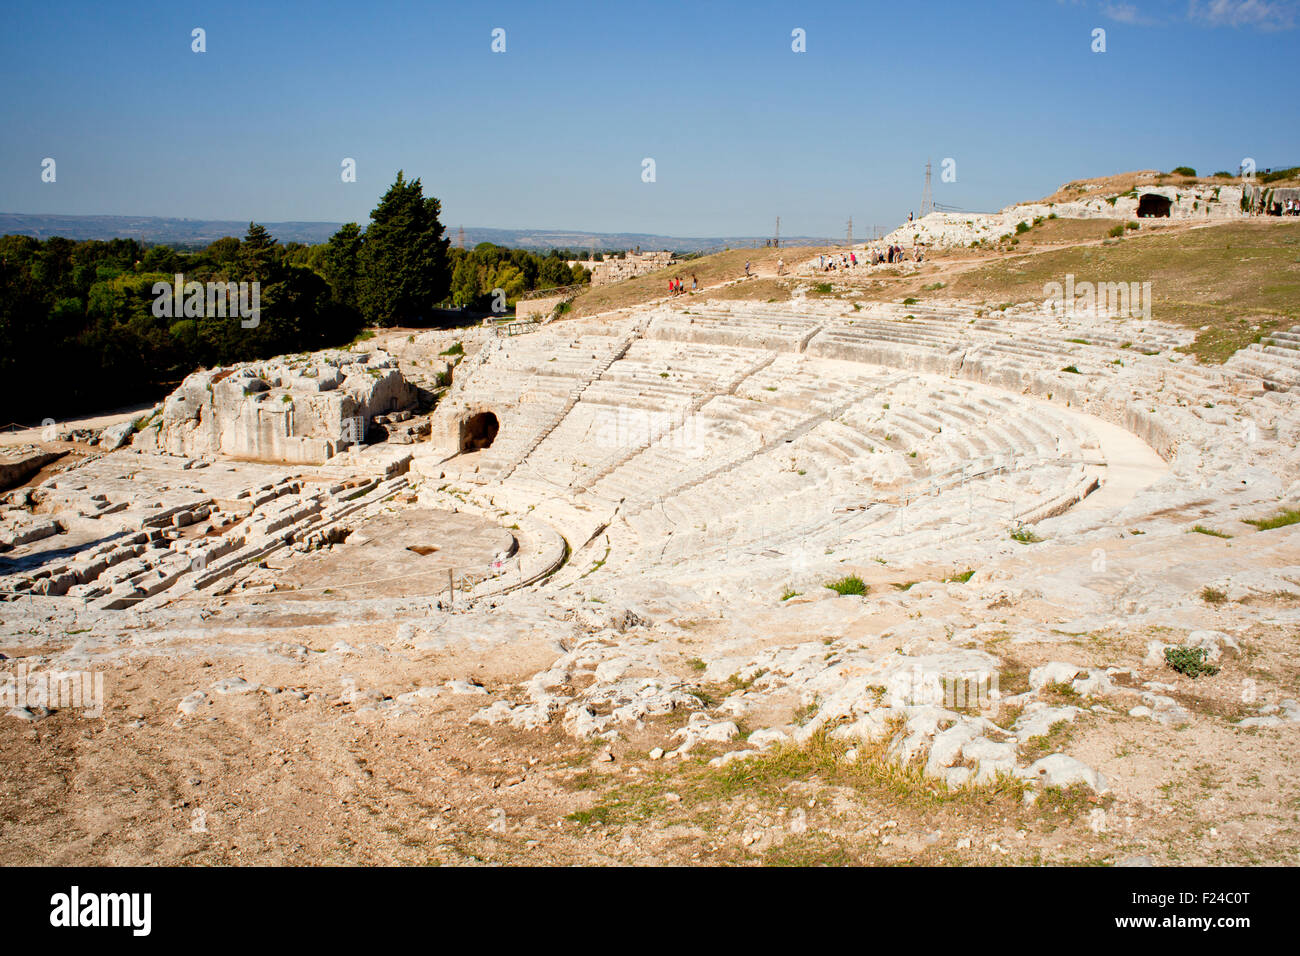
465, 281
404, 271
340, 263
259, 257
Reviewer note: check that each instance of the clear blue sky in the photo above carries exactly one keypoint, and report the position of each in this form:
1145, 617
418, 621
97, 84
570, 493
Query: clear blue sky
551, 134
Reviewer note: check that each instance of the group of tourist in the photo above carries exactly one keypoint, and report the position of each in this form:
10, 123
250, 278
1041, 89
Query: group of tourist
1287, 207
834, 263
678, 286
875, 257
896, 253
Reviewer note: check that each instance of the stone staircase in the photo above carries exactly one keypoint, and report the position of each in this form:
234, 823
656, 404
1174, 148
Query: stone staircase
617, 461
575, 396
791, 435
1275, 361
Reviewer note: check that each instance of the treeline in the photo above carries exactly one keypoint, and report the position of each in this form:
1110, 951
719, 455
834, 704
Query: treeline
477, 273
82, 327
79, 330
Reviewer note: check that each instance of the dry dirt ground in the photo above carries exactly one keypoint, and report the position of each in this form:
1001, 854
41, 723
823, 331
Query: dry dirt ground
301, 772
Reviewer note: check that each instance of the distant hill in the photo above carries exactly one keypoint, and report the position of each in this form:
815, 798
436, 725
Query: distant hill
152, 229
197, 232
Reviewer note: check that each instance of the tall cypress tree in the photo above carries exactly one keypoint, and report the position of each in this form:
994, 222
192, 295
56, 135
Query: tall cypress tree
403, 262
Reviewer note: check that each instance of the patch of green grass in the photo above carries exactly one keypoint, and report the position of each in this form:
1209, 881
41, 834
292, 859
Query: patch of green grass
960, 578
1071, 802
852, 584
455, 349
1288, 517
697, 665
735, 682
1048, 743
1201, 529
910, 300
875, 770
1025, 535
1072, 369
789, 593
1059, 692
601, 814
809, 849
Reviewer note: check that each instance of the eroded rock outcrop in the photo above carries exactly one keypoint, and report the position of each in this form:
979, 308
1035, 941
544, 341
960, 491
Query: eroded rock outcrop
301, 410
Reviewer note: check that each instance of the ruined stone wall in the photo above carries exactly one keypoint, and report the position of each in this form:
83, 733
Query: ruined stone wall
616, 270
296, 411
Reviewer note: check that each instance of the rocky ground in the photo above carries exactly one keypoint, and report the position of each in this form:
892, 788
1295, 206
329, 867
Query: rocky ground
577, 732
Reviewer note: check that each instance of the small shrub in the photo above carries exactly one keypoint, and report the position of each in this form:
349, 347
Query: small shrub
849, 585
1072, 369
1025, 535
910, 300
1213, 595
456, 349
1116, 231
1184, 171
1190, 661
1132, 226
1022, 228
789, 593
